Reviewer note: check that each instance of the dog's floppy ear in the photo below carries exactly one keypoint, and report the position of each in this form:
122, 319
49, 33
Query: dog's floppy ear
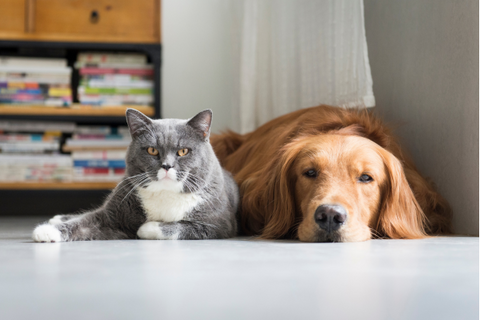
269, 198
400, 217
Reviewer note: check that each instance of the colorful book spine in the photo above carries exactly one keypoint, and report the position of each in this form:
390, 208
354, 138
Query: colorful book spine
99, 155
114, 79
139, 91
127, 71
91, 163
26, 147
18, 168
27, 137
98, 174
127, 58
32, 62
97, 136
35, 81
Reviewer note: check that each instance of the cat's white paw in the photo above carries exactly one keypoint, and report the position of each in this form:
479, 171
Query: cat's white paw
150, 230
46, 233
56, 219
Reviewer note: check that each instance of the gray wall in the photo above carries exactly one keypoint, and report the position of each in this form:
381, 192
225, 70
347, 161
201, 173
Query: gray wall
424, 60
196, 60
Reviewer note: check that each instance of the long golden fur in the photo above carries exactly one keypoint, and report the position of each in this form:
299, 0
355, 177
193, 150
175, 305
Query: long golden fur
273, 164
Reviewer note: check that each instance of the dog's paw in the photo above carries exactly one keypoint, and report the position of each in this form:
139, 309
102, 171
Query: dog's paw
150, 230
56, 219
46, 233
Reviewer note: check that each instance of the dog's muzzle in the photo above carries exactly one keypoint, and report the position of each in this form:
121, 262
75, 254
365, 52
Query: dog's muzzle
330, 217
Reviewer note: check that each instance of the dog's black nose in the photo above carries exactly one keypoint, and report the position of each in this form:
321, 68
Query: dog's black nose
166, 166
330, 217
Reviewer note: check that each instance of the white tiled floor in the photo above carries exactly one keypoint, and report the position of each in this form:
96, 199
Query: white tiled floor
236, 279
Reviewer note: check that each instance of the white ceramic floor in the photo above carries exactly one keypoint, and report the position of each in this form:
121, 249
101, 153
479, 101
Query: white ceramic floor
236, 279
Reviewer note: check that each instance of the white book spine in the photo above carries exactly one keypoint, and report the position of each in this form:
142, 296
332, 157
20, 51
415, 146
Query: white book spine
40, 62
99, 155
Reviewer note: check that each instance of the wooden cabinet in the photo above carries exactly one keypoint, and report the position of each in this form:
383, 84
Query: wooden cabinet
12, 16
131, 21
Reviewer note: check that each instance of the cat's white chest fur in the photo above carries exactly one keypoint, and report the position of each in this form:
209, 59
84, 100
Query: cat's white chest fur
162, 201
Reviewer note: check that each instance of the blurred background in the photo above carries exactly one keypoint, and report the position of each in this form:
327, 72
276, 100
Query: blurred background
69, 69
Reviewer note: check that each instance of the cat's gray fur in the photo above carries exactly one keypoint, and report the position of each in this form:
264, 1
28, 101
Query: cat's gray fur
125, 215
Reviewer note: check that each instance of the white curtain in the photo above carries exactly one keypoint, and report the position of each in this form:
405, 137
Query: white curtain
290, 55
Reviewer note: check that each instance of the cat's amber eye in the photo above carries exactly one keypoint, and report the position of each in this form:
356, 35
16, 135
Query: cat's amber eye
152, 151
182, 152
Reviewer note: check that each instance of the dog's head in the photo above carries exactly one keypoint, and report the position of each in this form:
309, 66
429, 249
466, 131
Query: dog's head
335, 187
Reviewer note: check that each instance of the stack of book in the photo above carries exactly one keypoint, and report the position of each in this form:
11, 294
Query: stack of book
98, 152
29, 143
114, 79
30, 151
35, 81
23, 168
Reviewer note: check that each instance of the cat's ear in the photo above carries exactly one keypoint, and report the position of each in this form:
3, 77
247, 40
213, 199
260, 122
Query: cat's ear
201, 123
137, 121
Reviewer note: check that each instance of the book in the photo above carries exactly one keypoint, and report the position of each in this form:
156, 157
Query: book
21, 168
35, 83
97, 83
77, 136
24, 61
121, 91
83, 129
99, 163
29, 147
36, 126
98, 143
141, 71
115, 99
98, 174
35, 69
44, 94
114, 79
99, 155
22, 78
27, 137
95, 57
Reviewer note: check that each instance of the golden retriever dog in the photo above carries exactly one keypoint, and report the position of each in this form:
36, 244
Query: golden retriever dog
329, 174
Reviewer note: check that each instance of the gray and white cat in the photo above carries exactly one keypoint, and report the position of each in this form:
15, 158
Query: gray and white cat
174, 189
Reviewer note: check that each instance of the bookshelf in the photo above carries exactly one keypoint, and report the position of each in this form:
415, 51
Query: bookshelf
104, 35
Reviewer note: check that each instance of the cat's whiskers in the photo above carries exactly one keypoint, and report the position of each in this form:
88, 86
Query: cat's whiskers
139, 184
133, 179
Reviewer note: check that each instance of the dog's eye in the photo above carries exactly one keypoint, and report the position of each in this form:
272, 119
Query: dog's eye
365, 178
152, 151
310, 173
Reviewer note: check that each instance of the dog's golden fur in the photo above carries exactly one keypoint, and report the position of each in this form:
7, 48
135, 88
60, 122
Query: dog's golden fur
279, 200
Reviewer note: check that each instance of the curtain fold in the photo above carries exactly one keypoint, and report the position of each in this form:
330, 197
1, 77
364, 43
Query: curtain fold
296, 54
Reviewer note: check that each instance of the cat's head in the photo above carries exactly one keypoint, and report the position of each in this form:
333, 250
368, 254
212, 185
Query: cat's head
169, 154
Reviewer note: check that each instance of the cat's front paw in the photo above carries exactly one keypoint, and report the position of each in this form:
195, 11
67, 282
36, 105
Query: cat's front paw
46, 233
150, 231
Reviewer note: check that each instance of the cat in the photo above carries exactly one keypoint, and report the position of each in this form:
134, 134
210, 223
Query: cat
174, 188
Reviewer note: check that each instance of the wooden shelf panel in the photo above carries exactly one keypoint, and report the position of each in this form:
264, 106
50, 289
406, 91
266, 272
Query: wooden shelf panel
57, 185
78, 38
73, 110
